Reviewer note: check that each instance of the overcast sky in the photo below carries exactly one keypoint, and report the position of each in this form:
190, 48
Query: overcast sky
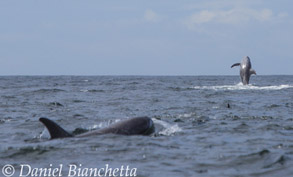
145, 37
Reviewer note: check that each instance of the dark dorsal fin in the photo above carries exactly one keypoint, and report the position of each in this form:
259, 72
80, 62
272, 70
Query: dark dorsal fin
236, 64
55, 130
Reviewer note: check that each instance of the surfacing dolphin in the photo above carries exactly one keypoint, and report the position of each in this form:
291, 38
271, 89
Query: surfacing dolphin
245, 70
133, 126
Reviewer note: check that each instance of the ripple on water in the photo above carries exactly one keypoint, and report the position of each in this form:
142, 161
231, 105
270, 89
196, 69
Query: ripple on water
53, 90
17, 152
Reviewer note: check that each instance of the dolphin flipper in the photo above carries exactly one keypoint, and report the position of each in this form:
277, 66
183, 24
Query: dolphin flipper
236, 64
55, 130
252, 71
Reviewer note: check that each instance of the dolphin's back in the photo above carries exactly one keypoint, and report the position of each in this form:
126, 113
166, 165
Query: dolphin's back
133, 126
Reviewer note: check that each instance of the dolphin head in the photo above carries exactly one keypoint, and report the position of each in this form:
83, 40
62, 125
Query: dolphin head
245, 63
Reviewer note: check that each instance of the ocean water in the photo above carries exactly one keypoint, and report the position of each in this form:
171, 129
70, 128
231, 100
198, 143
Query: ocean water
205, 125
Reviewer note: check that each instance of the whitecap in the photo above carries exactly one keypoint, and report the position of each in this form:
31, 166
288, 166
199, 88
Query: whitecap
84, 90
240, 86
187, 115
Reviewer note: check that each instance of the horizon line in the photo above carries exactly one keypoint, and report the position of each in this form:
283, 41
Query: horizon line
134, 75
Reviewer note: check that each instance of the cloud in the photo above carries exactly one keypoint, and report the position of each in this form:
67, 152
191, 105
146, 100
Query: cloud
151, 16
233, 16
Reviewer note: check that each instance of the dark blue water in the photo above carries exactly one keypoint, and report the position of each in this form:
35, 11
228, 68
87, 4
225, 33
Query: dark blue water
197, 133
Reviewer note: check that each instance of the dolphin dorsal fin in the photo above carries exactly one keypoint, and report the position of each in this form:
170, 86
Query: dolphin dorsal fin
236, 64
54, 129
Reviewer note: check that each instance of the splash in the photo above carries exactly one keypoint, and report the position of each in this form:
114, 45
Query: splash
168, 129
240, 86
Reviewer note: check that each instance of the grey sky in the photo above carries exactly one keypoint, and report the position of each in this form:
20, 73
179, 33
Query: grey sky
151, 37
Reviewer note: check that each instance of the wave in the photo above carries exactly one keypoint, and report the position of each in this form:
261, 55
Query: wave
240, 86
53, 90
92, 90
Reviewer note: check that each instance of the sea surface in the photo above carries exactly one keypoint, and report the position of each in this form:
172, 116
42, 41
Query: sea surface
206, 126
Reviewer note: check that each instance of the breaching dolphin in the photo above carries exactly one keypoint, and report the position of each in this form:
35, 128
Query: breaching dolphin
245, 70
132, 126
